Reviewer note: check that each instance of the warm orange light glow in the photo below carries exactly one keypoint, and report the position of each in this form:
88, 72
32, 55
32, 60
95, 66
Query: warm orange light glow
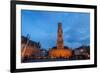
60, 53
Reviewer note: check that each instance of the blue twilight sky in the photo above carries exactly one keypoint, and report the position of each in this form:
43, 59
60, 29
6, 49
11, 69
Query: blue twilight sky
42, 27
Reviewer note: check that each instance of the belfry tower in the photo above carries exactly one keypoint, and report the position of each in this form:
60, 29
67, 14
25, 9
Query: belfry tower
60, 44
60, 51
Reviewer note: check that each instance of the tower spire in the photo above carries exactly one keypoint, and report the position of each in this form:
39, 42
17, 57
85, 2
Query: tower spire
60, 44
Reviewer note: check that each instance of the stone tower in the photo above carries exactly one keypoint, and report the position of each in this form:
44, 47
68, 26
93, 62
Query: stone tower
60, 51
60, 44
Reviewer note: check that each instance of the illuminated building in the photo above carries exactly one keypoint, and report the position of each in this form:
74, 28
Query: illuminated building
60, 51
29, 48
82, 52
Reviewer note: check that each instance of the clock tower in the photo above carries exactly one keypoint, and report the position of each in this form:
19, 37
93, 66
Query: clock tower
60, 44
